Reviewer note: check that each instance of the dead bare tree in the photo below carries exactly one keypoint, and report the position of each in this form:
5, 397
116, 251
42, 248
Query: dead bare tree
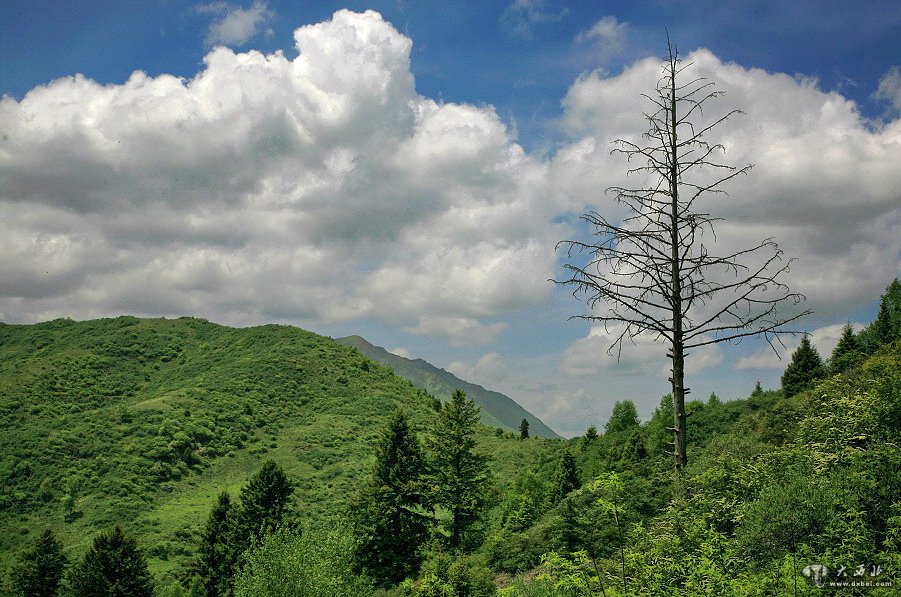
652, 270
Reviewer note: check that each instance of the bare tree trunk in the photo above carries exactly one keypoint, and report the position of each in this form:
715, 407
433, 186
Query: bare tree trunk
678, 350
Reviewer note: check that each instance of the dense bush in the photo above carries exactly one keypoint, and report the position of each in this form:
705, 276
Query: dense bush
311, 563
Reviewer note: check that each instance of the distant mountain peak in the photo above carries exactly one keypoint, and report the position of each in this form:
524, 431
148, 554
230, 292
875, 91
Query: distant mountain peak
497, 410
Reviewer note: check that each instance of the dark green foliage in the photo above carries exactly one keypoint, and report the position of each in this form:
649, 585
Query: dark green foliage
633, 451
847, 353
389, 516
591, 434
793, 510
197, 588
567, 476
623, 417
39, 569
886, 328
758, 391
459, 473
660, 438
567, 533
264, 505
264, 500
524, 429
805, 369
215, 556
525, 502
112, 567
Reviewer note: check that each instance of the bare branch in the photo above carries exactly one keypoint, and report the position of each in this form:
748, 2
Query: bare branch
653, 270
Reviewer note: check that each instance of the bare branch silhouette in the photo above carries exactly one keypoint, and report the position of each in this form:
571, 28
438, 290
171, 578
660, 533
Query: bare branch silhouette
652, 271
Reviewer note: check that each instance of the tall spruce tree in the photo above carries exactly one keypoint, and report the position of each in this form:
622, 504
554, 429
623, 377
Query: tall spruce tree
215, 555
591, 434
524, 429
459, 474
887, 326
265, 505
112, 567
567, 532
567, 476
389, 516
805, 369
846, 353
39, 569
264, 502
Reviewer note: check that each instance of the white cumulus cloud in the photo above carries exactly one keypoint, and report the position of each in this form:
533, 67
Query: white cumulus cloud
824, 183
489, 370
318, 189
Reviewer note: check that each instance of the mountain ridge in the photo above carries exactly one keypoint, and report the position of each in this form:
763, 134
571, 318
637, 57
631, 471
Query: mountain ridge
497, 409
144, 422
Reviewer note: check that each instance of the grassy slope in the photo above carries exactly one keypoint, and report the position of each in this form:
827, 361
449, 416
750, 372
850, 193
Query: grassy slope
146, 421
498, 410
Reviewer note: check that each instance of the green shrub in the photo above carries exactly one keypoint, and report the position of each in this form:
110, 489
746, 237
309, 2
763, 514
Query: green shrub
306, 564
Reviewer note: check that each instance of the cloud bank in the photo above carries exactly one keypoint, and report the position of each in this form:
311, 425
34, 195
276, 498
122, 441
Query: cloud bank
318, 189
325, 189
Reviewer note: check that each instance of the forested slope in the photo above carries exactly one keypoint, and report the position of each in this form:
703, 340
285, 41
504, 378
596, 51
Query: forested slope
143, 422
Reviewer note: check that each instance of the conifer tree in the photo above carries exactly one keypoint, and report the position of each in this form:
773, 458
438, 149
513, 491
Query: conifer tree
882, 326
460, 474
887, 326
591, 434
264, 502
567, 532
633, 449
389, 516
847, 352
524, 429
39, 569
215, 555
112, 567
567, 476
264, 507
758, 390
805, 369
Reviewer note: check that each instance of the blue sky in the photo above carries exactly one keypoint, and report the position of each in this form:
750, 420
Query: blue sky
520, 61
404, 173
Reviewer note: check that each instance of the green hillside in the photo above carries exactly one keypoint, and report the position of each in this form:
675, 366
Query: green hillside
143, 422
498, 410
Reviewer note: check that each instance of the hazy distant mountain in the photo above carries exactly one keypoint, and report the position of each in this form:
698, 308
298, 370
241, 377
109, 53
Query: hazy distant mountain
498, 410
